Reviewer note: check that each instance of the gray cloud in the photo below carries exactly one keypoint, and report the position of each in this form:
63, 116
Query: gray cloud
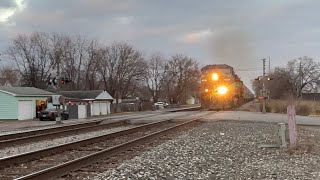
7, 4
82, 8
200, 29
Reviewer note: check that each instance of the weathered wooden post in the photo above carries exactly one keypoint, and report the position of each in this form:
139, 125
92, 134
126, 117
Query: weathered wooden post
292, 125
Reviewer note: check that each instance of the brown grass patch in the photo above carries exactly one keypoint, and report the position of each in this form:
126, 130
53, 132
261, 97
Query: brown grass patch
304, 108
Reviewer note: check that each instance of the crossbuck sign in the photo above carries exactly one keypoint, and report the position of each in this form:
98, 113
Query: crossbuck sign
56, 100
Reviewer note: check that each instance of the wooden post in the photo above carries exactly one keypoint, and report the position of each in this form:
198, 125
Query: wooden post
292, 125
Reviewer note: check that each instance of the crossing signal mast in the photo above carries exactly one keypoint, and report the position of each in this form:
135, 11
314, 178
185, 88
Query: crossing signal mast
263, 79
57, 82
264, 87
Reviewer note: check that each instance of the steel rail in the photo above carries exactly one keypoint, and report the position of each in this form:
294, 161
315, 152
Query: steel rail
31, 136
55, 134
79, 125
65, 168
29, 156
46, 130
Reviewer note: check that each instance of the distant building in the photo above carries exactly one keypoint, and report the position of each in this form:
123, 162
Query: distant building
311, 96
99, 100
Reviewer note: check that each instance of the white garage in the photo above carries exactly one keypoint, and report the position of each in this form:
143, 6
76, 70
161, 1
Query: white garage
82, 111
101, 100
20, 103
95, 108
25, 109
100, 108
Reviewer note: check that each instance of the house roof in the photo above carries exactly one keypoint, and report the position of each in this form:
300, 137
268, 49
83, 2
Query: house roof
25, 91
88, 95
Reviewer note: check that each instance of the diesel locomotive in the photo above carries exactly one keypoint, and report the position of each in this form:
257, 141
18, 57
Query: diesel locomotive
221, 88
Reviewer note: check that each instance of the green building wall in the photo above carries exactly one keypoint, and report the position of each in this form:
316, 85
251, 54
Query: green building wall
8, 106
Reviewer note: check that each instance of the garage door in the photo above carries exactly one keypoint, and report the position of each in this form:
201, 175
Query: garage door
25, 110
108, 107
103, 108
82, 111
96, 108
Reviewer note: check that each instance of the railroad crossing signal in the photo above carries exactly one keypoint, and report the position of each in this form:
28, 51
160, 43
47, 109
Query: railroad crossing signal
65, 80
260, 78
54, 82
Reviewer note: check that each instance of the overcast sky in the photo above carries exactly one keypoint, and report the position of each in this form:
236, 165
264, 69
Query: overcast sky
235, 32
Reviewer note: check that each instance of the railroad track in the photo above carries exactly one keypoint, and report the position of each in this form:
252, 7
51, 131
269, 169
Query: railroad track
58, 161
62, 131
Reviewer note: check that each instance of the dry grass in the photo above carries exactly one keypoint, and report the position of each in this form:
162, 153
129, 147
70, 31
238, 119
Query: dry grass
303, 107
252, 106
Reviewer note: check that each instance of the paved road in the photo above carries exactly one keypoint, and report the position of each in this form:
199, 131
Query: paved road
258, 116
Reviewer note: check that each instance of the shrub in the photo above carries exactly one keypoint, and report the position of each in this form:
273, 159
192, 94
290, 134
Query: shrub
303, 109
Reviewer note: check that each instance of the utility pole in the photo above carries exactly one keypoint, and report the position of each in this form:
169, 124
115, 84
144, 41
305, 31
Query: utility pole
263, 86
269, 65
57, 58
301, 79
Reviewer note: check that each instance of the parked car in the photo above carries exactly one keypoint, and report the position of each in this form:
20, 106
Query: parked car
161, 104
51, 114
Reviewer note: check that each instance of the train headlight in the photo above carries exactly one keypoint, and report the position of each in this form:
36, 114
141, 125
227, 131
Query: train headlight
215, 76
222, 90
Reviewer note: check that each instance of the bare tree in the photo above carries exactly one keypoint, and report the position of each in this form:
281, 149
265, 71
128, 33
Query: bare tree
75, 54
92, 65
305, 74
155, 75
280, 87
119, 68
122, 69
31, 55
182, 71
300, 75
9, 74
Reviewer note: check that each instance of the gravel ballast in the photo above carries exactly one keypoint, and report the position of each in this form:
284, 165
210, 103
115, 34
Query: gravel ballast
225, 150
9, 151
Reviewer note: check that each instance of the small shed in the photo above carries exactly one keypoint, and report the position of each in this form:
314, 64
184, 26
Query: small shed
100, 100
21, 103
